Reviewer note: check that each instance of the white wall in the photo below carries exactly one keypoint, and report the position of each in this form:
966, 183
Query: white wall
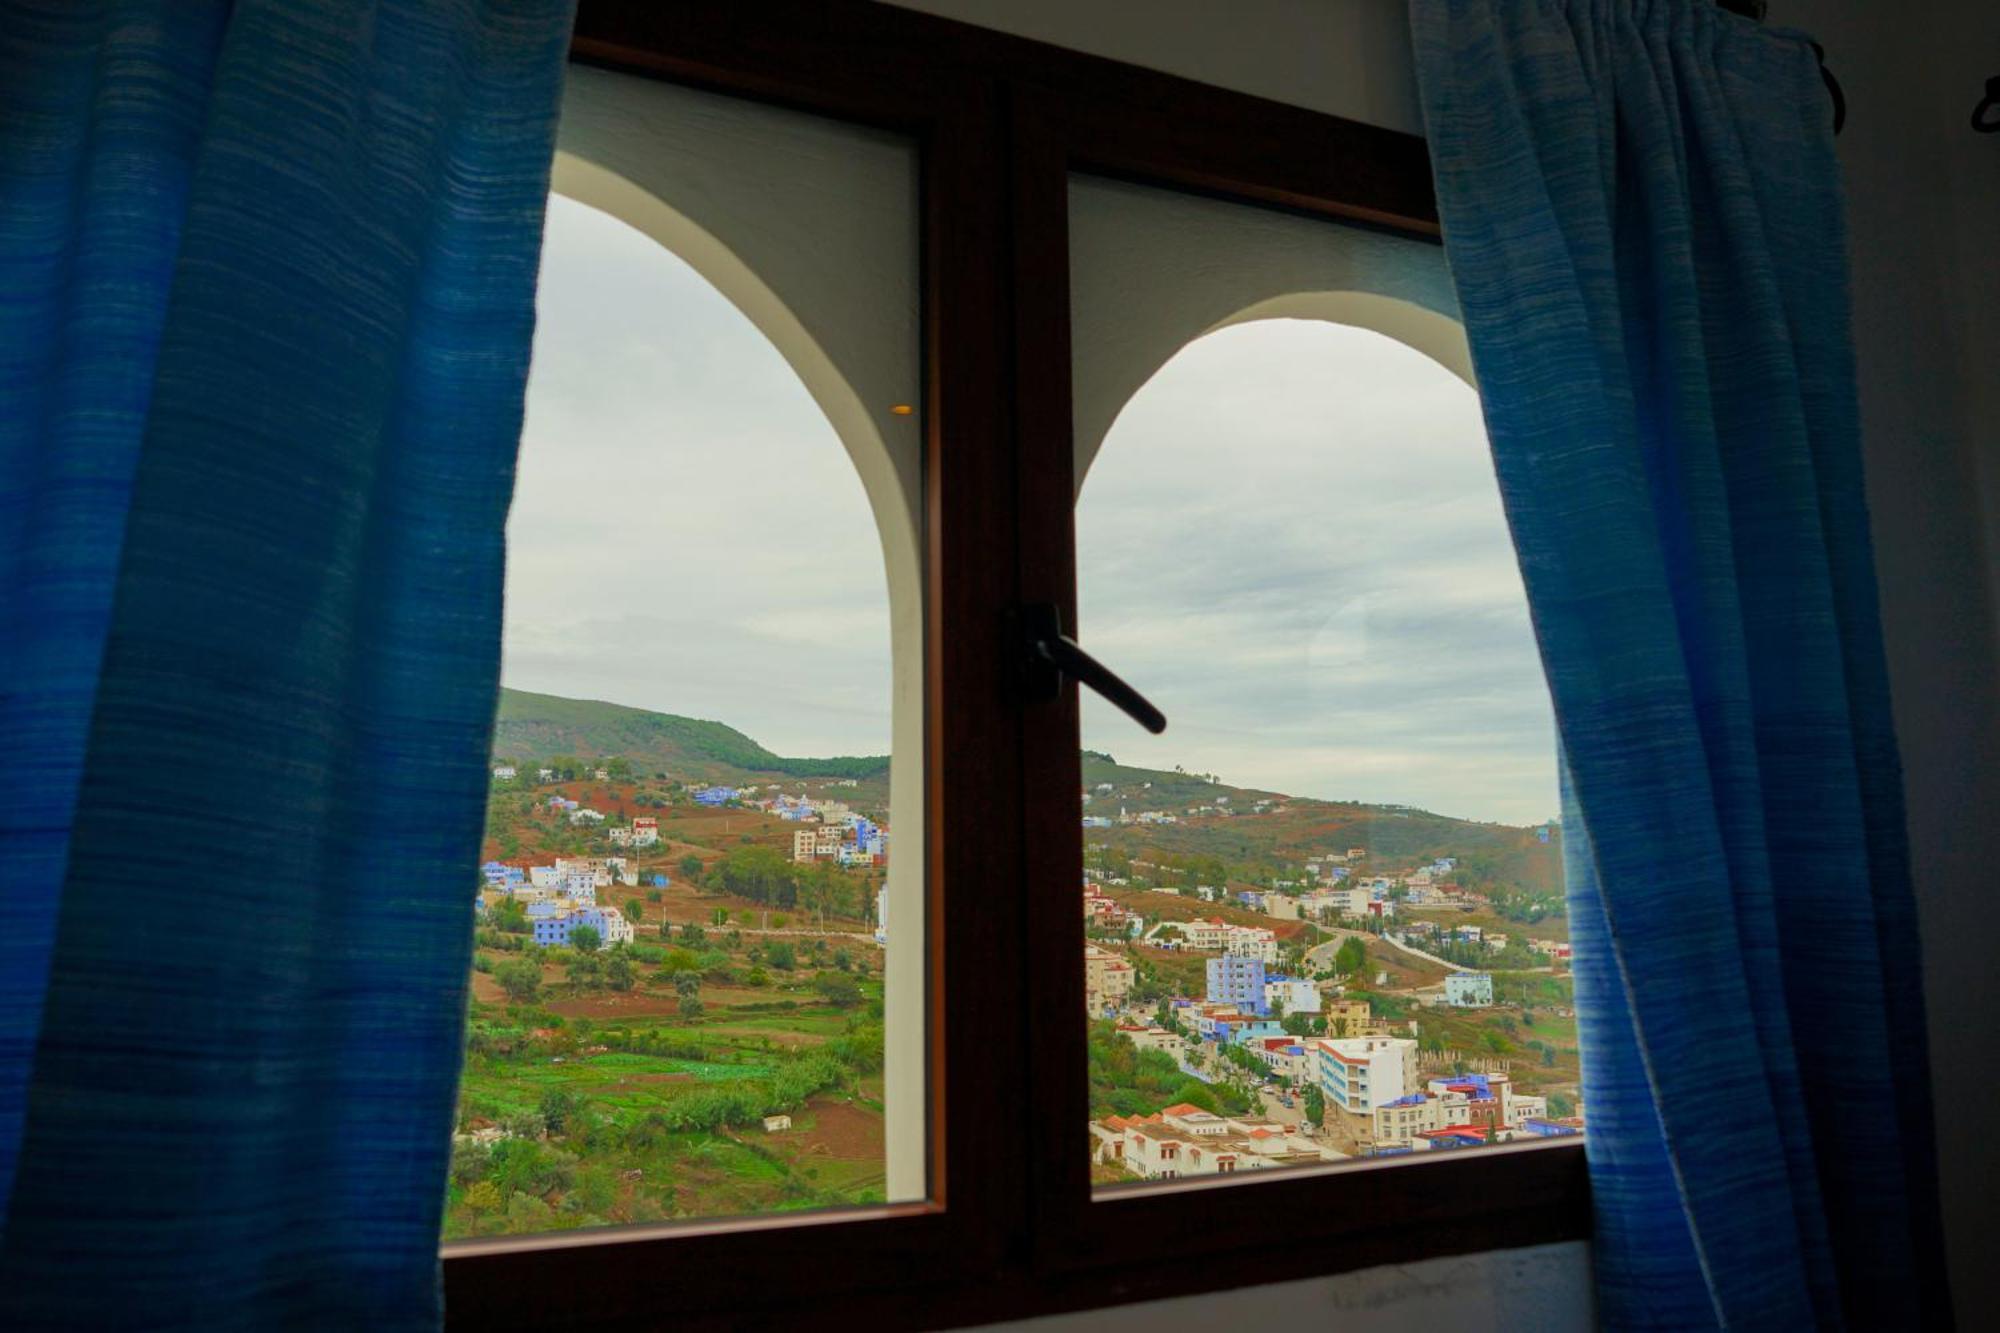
1924, 228
1924, 216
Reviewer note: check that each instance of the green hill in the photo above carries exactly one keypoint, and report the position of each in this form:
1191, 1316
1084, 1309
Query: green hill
534, 727
539, 726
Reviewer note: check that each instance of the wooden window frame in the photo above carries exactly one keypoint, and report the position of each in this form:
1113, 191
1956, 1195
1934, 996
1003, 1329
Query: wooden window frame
1010, 1227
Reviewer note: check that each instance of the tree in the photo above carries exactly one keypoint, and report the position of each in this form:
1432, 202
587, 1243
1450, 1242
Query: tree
838, 989
559, 1108
1315, 1104
482, 1197
691, 1007
1561, 1105
687, 984
635, 910
692, 934
1301, 1024
690, 867
509, 915
1196, 1093
584, 968
585, 939
618, 970
1351, 956
779, 954
521, 980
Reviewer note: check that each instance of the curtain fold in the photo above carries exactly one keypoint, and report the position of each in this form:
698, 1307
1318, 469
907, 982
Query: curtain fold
1642, 213
263, 347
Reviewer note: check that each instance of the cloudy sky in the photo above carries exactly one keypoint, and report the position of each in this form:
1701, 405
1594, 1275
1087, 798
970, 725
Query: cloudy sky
1291, 541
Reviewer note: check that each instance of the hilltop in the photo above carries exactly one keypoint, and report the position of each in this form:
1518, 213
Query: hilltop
534, 727
537, 727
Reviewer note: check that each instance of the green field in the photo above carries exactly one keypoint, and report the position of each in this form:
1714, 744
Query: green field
581, 1122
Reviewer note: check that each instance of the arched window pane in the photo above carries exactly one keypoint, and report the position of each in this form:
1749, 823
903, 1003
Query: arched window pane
685, 999
1323, 909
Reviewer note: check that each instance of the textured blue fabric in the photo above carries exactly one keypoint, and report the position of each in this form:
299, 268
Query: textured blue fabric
266, 300
99, 116
1642, 212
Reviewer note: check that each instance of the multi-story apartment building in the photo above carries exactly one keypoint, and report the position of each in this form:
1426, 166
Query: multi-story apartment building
1238, 981
1250, 942
1349, 1018
1357, 1074
1107, 980
1290, 995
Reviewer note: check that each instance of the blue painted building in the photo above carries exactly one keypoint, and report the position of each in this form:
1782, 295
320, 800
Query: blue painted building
1237, 980
1547, 1129
1236, 1033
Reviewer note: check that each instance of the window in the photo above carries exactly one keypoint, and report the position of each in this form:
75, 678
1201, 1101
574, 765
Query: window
992, 130
1298, 898
686, 1001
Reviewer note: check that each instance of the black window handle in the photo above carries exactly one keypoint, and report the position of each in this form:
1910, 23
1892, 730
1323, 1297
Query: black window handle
1048, 654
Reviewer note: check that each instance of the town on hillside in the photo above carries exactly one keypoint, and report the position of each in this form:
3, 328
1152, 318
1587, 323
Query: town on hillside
1346, 1005
676, 998
676, 987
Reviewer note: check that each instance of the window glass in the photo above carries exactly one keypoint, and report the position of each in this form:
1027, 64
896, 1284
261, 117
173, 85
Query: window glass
685, 993
1323, 910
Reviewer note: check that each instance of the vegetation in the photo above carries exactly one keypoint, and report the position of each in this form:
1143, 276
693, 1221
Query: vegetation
1127, 1081
537, 727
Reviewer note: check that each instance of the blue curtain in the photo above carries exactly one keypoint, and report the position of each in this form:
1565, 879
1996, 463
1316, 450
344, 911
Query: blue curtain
1643, 217
266, 297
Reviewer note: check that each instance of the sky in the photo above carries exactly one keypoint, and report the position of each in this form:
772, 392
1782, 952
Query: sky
1291, 541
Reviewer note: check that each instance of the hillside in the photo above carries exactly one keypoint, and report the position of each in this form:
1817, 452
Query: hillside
1156, 788
537, 727
533, 727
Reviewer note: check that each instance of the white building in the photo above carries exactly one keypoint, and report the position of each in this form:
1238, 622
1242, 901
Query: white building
645, 831
613, 927
1200, 934
1357, 1074
1469, 990
1164, 1040
504, 772
1107, 980
1291, 995
1251, 942
1186, 1141
555, 928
